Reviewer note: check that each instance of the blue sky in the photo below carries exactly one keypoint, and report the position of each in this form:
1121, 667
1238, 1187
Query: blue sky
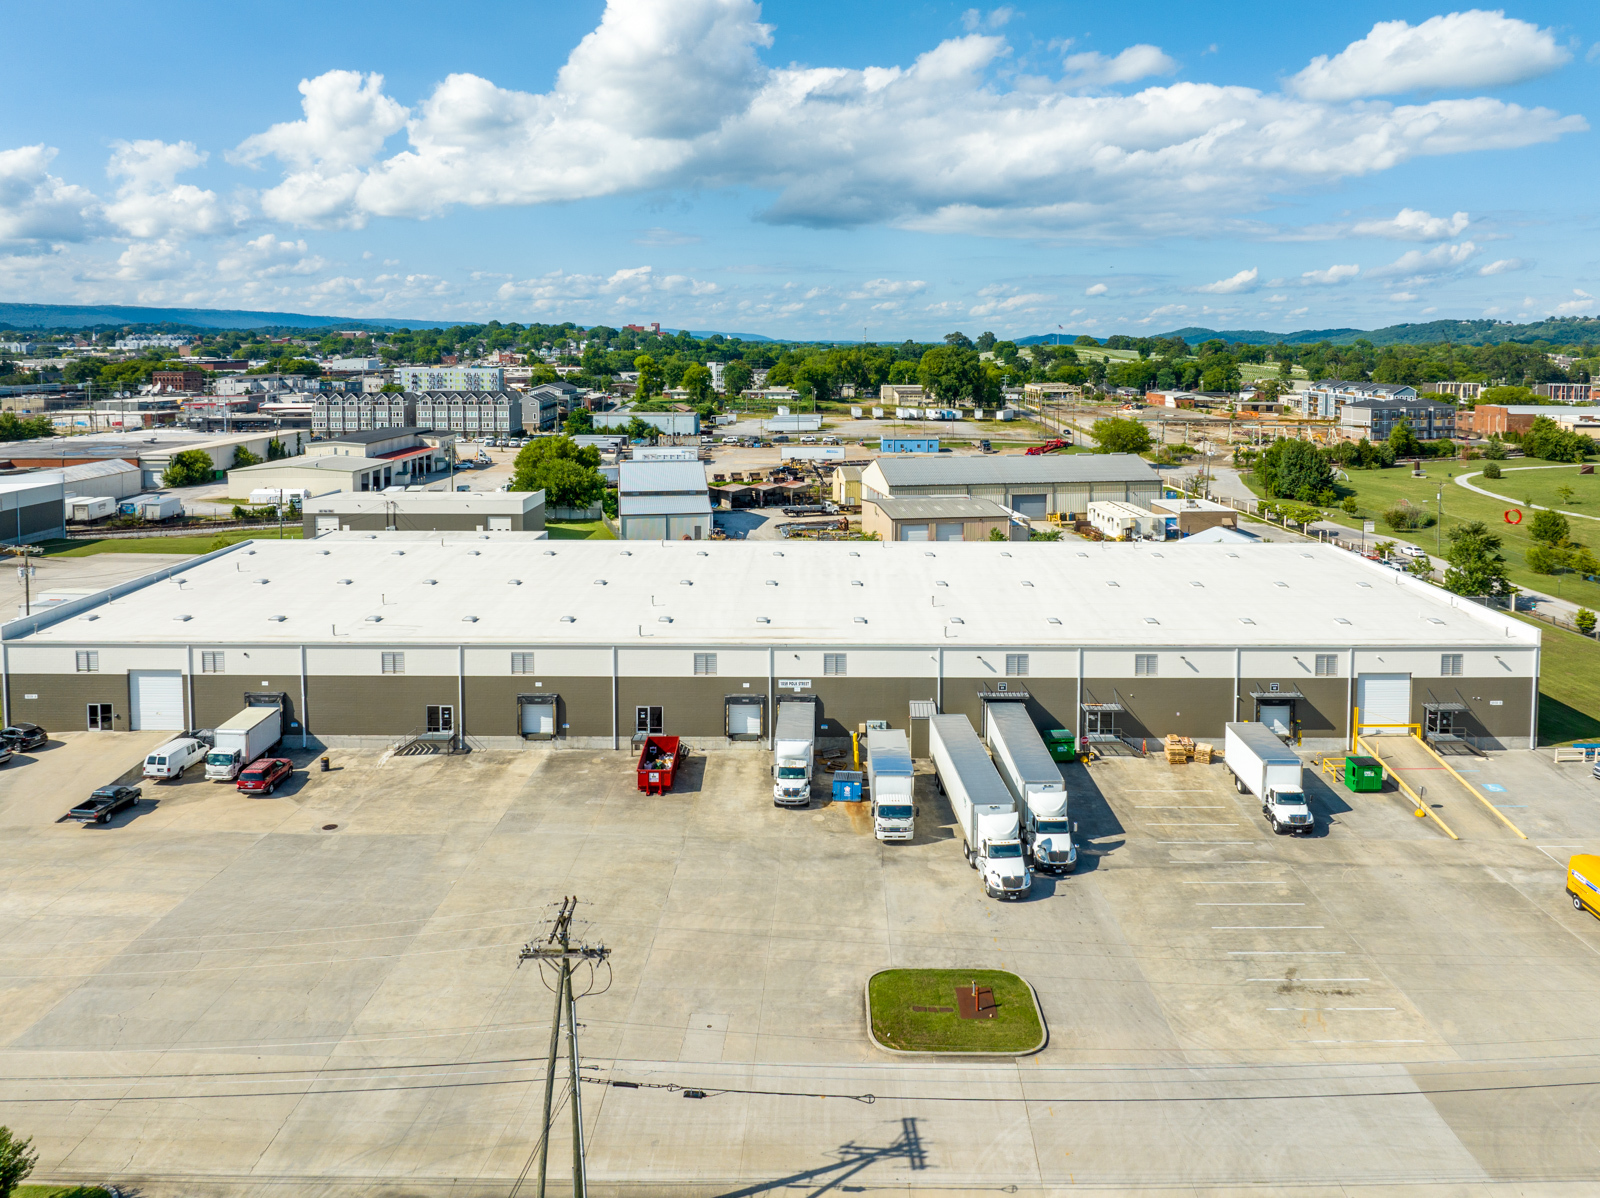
817, 169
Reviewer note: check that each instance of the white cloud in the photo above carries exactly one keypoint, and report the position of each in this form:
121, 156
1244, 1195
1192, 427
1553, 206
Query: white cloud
1583, 303
1277, 299
1245, 280
1426, 263
1460, 50
1135, 63
1029, 302
1501, 266
887, 288
1299, 311
972, 20
1334, 274
1412, 224
939, 145
1097, 289
151, 203
1402, 297
660, 236
36, 207
267, 257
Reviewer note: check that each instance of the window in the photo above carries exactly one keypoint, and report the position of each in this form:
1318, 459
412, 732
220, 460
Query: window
833, 665
213, 662
1016, 665
88, 661
647, 719
1327, 665
522, 663
1145, 665
1450, 664
394, 663
705, 663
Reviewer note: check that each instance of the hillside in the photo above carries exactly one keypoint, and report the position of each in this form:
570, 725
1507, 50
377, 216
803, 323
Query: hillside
1567, 330
87, 316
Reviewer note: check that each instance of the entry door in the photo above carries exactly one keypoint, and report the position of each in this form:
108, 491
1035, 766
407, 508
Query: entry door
1384, 699
647, 719
538, 717
157, 700
101, 718
441, 718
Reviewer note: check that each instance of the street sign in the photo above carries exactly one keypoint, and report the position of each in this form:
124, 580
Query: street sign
1369, 526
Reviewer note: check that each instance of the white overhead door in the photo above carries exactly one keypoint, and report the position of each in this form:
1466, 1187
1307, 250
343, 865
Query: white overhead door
327, 524
538, 717
950, 532
1383, 699
1279, 717
157, 700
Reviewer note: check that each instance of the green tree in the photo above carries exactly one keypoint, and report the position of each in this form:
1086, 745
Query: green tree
1492, 470
1565, 493
392, 389
997, 534
27, 428
188, 469
1294, 469
1549, 527
649, 375
566, 472
243, 457
949, 372
1495, 450
276, 450
1585, 621
813, 377
1422, 566
696, 381
580, 421
1404, 442
17, 1159
1477, 567
736, 378
1116, 434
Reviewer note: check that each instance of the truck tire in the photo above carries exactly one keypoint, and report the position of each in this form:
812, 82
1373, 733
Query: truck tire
1278, 828
1238, 785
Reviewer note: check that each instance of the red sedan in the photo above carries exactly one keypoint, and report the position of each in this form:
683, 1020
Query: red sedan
264, 776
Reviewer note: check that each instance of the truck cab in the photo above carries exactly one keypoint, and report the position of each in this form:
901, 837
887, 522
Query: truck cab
791, 782
223, 765
999, 857
1049, 842
1287, 811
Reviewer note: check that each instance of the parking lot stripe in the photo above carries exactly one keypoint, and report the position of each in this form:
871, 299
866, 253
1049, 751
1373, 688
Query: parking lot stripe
1176, 807
1309, 979
1227, 823
1238, 883
1331, 1008
1249, 904
1216, 842
1267, 927
1279, 952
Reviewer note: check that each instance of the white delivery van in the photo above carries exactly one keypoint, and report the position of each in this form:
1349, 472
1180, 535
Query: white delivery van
171, 759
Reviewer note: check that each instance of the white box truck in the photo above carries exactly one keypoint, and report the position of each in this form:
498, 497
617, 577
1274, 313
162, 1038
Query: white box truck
891, 784
990, 833
171, 759
793, 749
1035, 783
241, 739
1262, 765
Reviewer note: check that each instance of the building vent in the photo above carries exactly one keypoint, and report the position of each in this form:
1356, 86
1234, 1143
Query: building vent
277, 619
397, 553
762, 620
344, 582
861, 619
469, 619
91, 617
772, 582
856, 582
939, 582
374, 619
569, 619
685, 582
261, 581
599, 582
957, 620
549, 552
430, 582
516, 582
185, 619
1151, 620
1026, 583
663, 619
1246, 620
1340, 620
473, 553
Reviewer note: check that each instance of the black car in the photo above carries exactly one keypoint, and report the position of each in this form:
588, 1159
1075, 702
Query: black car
104, 803
23, 736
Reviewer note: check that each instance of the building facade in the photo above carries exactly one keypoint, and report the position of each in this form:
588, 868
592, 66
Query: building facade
336, 413
663, 501
1375, 419
1035, 487
475, 413
940, 520
33, 507
425, 511
450, 378
1325, 399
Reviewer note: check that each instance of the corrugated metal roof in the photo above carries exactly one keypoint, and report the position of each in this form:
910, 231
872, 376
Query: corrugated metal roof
1016, 469
662, 477
106, 469
941, 509
663, 505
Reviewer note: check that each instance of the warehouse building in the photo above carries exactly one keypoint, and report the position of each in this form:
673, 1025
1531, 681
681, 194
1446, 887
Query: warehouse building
32, 508
1035, 487
373, 640
940, 520
426, 511
663, 500
359, 461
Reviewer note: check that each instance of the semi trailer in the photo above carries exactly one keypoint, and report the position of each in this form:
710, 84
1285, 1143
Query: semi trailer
990, 833
1036, 785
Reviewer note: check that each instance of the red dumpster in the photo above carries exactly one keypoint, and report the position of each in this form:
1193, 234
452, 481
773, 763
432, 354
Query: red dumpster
658, 763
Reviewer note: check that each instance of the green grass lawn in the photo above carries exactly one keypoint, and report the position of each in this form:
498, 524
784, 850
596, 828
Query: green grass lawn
1377, 490
1522, 484
1569, 686
892, 993
31, 1191
173, 544
578, 530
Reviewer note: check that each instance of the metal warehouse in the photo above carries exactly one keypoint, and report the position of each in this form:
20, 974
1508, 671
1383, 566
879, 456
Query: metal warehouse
1034, 486
588, 642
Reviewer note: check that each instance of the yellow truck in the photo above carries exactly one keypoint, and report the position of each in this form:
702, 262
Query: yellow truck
1583, 883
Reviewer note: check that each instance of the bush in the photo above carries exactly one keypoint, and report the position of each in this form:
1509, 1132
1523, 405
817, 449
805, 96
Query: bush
1403, 517
1585, 621
1492, 470
189, 468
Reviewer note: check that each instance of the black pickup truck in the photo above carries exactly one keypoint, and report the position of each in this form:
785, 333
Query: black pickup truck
104, 803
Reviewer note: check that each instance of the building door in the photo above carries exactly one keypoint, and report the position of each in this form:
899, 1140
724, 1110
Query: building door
327, 524
1031, 506
950, 532
538, 717
1384, 699
913, 532
499, 523
101, 718
744, 714
1279, 717
441, 718
647, 719
157, 700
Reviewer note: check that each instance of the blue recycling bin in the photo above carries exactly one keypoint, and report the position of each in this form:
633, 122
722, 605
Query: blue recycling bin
847, 786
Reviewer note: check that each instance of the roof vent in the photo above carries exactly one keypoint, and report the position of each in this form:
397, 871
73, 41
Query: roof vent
91, 617
762, 620
702, 553
277, 619
1340, 620
469, 619
663, 619
1004, 554
853, 553
397, 553
1197, 584
925, 554
777, 553
1051, 620
861, 619
516, 582
686, 582
1305, 555
1368, 585
856, 582
957, 620
324, 552
549, 552
1151, 620
261, 581
1026, 583
473, 553
939, 582
772, 582
431, 582
374, 619
1281, 584
1113, 584
1246, 620
343, 582
569, 619
1435, 620
1235, 556
599, 582
1157, 555
1083, 555
191, 617
627, 553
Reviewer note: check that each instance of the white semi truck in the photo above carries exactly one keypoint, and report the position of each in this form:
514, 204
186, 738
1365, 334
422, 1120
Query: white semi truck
891, 784
990, 833
793, 748
1262, 765
1035, 783
242, 738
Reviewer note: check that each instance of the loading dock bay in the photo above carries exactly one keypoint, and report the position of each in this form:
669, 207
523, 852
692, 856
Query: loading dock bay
215, 994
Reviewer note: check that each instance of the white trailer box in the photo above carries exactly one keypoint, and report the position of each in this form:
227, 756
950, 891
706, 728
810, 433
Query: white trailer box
280, 496
891, 784
793, 751
96, 507
160, 507
1036, 785
984, 809
1262, 765
241, 739
877, 413
855, 413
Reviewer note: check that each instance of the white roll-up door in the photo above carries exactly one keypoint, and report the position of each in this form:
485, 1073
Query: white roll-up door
327, 524
538, 717
157, 700
950, 532
1383, 699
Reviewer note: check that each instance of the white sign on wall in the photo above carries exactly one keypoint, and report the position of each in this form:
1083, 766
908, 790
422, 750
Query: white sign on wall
795, 684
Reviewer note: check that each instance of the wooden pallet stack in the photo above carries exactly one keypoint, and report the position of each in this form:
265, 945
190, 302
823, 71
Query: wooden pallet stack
1203, 753
1179, 749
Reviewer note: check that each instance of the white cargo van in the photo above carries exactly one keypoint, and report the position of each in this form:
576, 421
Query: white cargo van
171, 759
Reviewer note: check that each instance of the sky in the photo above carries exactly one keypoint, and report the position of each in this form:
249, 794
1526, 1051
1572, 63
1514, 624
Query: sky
809, 168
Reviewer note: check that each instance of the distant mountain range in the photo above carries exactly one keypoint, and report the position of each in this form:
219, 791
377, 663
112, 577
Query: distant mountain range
87, 316
1581, 330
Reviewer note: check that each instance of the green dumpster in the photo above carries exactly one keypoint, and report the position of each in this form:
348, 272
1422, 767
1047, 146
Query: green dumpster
1062, 745
1363, 773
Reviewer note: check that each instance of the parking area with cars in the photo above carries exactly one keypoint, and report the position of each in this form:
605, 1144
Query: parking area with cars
318, 988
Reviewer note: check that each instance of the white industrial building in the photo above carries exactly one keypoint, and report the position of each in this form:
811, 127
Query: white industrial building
1035, 486
369, 638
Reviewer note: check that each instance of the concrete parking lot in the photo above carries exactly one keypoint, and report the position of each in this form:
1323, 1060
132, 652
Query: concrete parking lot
317, 992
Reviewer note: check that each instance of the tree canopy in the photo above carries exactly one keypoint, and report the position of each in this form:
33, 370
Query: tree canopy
189, 468
567, 473
1477, 567
1117, 434
1294, 469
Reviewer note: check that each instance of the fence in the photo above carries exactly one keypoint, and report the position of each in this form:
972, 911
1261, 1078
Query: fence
574, 513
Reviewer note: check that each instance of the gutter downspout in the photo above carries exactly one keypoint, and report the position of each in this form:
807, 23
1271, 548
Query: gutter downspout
614, 744
303, 713
5, 683
939, 684
188, 687
1077, 709
1350, 698
772, 714
461, 693
1238, 666
1533, 718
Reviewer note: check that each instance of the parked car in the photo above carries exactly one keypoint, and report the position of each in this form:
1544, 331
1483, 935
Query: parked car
265, 775
1411, 551
708, 440
730, 440
22, 737
102, 804
808, 440
463, 486
5, 755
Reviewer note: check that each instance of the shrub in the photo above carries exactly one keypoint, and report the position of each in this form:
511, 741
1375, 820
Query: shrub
1404, 517
1492, 470
1585, 621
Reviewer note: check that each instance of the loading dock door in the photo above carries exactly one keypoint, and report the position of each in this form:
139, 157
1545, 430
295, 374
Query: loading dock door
1279, 717
1384, 699
327, 524
537, 716
157, 699
745, 714
1031, 506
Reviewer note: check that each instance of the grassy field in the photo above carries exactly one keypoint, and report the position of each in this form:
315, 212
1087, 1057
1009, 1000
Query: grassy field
1569, 686
1378, 490
892, 994
174, 544
1522, 485
31, 1191
578, 530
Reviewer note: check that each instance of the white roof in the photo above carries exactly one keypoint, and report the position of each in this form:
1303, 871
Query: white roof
463, 503
665, 592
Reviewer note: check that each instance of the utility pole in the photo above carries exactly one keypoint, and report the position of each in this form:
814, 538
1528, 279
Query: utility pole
558, 947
